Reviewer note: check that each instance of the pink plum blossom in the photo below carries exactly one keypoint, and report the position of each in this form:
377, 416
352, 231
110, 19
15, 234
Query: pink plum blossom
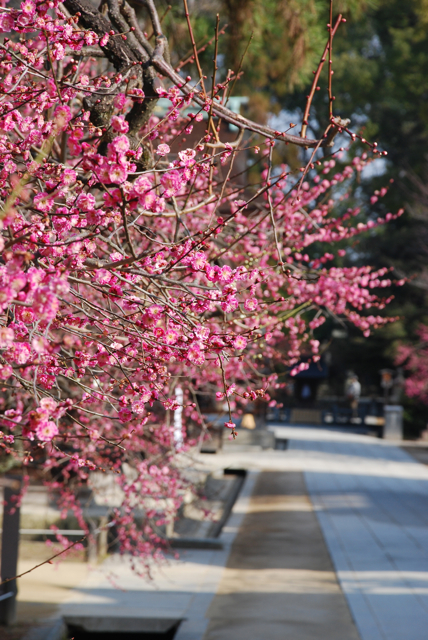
250, 304
163, 149
195, 354
119, 123
187, 157
117, 174
240, 342
46, 431
6, 337
171, 182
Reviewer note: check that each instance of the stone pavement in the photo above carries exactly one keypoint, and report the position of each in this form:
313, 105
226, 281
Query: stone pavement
279, 582
366, 502
371, 499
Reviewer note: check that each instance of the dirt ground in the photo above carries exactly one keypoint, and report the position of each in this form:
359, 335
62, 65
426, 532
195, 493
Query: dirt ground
42, 590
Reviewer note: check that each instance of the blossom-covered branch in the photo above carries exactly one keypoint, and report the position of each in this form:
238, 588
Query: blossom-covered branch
134, 262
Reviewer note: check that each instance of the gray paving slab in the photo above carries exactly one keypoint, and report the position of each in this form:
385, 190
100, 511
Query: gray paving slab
371, 500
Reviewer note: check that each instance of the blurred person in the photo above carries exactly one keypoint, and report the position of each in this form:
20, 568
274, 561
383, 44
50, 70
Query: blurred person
306, 392
248, 421
353, 393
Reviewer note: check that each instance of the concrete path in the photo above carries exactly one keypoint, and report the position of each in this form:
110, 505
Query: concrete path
329, 540
273, 579
40, 594
371, 500
279, 582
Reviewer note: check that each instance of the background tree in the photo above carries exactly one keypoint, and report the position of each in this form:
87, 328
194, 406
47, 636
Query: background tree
380, 65
380, 62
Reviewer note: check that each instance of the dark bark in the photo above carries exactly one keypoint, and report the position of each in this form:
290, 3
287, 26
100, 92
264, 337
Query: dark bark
123, 54
116, 50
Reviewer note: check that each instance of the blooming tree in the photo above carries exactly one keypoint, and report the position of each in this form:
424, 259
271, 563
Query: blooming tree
133, 264
414, 357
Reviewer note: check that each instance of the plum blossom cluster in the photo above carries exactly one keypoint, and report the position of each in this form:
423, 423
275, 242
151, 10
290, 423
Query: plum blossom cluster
134, 263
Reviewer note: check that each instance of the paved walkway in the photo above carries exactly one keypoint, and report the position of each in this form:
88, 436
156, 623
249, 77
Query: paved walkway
372, 503
366, 503
279, 582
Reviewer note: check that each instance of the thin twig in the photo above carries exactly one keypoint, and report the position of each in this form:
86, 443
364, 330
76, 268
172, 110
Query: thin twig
201, 47
195, 51
330, 62
49, 561
231, 88
226, 114
311, 94
272, 217
210, 115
